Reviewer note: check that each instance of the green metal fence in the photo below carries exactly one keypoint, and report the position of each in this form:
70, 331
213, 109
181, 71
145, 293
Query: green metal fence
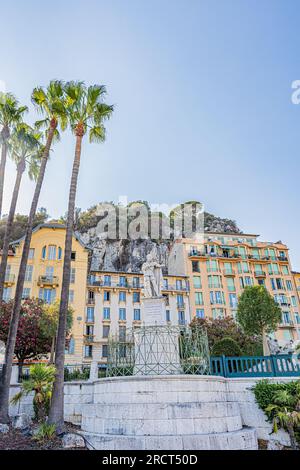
285, 365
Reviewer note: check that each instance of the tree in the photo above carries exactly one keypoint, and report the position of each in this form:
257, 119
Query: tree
10, 115
258, 313
40, 382
25, 148
86, 113
34, 334
19, 225
226, 347
51, 102
51, 323
227, 327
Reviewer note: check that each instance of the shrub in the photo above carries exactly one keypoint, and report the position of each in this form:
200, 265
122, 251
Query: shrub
227, 347
76, 374
45, 431
281, 404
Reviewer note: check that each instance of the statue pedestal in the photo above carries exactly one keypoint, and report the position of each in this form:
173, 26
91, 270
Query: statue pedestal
156, 345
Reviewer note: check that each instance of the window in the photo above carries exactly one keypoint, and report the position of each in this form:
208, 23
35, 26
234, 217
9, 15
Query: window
217, 313
233, 300
122, 296
168, 318
49, 272
122, 333
90, 314
106, 296
107, 280
178, 284
136, 297
181, 318
122, 313
44, 252
72, 277
51, 252
279, 284
297, 318
228, 268
218, 297
71, 296
47, 295
293, 300
285, 269
289, 285
88, 350
245, 267
104, 350
198, 298
261, 282
248, 281
197, 282
122, 281
214, 282
287, 335
59, 253
212, 297
286, 319
212, 265
26, 293
242, 252
242, 284
180, 301
136, 282
28, 273
195, 266
230, 284
166, 284
73, 256
200, 313
71, 348
273, 284
105, 331
6, 294
137, 314
31, 253
106, 313
166, 299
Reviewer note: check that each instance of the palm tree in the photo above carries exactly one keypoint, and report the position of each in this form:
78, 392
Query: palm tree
24, 147
41, 378
86, 112
10, 115
51, 103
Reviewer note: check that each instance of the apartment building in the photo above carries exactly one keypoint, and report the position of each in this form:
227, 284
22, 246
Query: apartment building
114, 304
43, 276
224, 264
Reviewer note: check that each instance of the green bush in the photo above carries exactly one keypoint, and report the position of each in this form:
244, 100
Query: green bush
226, 347
76, 374
45, 432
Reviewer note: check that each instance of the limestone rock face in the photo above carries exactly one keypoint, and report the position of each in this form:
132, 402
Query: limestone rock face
72, 440
4, 428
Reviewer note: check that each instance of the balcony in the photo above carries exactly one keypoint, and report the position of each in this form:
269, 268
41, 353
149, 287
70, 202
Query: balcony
89, 319
287, 324
181, 305
89, 338
259, 274
48, 281
229, 272
9, 279
282, 258
90, 301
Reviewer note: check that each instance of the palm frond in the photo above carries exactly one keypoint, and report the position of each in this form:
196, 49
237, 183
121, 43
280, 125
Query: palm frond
97, 134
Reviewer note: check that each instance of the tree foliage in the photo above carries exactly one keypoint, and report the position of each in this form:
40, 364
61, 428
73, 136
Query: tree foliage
258, 312
19, 224
227, 347
250, 345
32, 340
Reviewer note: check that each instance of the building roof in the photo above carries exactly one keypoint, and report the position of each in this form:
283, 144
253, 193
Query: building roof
134, 273
54, 226
241, 235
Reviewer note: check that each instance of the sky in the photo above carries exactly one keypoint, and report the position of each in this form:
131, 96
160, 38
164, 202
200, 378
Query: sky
202, 93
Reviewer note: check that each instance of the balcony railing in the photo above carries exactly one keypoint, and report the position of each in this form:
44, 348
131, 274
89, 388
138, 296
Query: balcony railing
9, 278
48, 280
90, 301
259, 274
89, 338
89, 319
229, 272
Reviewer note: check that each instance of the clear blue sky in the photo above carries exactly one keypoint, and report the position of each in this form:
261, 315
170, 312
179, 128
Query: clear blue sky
203, 102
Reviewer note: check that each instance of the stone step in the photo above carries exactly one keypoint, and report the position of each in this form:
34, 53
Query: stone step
146, 427
161, 410
244, 439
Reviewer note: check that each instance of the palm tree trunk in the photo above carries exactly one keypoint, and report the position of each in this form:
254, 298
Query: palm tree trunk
10, 219
2, 172
51, 358
56, 414
13, 328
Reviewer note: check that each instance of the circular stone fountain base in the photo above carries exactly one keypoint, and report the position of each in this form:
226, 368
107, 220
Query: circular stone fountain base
174, 412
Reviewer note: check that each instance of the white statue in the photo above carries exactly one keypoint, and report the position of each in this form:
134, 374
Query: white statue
153, 280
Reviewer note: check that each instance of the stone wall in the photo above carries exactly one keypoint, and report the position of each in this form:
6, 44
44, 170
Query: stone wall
78, 394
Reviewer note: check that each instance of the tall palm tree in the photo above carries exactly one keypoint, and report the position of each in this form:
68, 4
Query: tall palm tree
24, 148
86, 112
10, 115
51, 103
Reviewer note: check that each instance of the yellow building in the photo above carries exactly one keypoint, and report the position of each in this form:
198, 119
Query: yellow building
114, 304
220, 267
44, 275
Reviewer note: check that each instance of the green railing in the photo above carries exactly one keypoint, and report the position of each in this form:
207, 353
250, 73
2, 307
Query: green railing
285, 365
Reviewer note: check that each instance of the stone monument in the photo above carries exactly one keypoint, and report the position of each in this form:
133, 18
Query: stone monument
156, 345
